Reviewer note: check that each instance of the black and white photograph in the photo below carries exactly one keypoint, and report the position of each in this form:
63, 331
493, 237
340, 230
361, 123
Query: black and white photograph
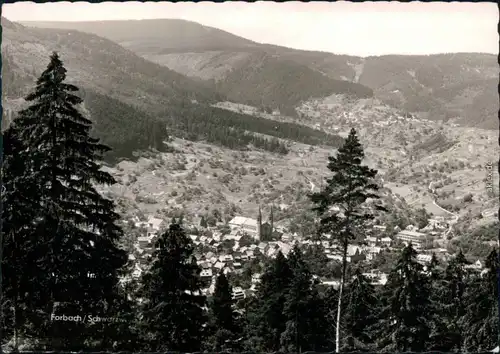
233, 177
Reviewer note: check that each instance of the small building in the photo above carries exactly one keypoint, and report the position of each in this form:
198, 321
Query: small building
225, 258
206, 273
256, 277
286, 237
285, 248
144, 242
137, 273
238, 293
424, 258
272, 252
371, 241
219, 265
476, 266
379, 228
376, 277
331, 283
262, 246
372, 252
386, 241
206, 276
154, 223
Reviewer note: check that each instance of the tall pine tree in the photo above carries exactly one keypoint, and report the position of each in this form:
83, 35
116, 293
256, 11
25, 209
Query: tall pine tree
404, 318
480, 321
341, 204
18, 207
439, 338
172, 313
222, 316
449, 300
304, 310
266, 318
361, 304
71, 235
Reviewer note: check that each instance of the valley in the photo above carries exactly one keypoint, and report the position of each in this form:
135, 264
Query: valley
168, 186
189, 138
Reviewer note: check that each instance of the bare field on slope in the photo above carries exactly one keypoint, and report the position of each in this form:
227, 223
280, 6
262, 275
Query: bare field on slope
201, 177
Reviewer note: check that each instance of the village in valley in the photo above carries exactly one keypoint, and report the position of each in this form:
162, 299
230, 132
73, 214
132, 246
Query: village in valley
244, 239
172, 183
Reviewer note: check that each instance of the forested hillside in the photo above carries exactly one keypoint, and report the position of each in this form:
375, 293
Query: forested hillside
232, 129
134, 103
282, 84
443, 86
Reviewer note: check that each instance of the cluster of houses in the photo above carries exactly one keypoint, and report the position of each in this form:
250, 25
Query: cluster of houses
267, 240
357, 114
436, 227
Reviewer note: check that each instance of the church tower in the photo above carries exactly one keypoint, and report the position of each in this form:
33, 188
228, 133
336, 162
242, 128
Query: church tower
259, 224
271, 219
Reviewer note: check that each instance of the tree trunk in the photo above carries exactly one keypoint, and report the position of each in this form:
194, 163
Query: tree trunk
16, 305
297, 331
1, 245
16, 300
339, 303
1, 289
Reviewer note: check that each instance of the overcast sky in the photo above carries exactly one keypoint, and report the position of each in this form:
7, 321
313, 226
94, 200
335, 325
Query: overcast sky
342, 27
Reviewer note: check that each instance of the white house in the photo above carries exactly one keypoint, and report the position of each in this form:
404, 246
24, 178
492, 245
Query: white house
154, 223
219, 265
379, 228
285, 248
272, 252
225, 258
477, 265
256, 277
424, 258
371, 252
206, 273
376, 277
386, 241
238, 293
334, 283
144, 241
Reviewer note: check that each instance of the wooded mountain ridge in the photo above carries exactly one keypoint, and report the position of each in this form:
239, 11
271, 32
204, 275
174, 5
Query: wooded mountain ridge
443, 86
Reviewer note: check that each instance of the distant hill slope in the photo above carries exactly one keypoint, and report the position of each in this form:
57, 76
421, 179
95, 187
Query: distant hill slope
461, 85
147, 35
269, 80
282, 84
101, 65
441, 86
134, 104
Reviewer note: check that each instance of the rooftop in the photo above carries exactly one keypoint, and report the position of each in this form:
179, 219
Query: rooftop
242, 221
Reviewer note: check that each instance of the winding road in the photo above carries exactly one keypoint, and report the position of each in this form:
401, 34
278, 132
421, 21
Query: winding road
456, 217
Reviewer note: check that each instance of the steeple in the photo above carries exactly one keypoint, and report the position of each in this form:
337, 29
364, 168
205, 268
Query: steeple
271, 218
259, 224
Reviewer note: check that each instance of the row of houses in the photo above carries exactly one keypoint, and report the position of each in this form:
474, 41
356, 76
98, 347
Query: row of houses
229, 261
